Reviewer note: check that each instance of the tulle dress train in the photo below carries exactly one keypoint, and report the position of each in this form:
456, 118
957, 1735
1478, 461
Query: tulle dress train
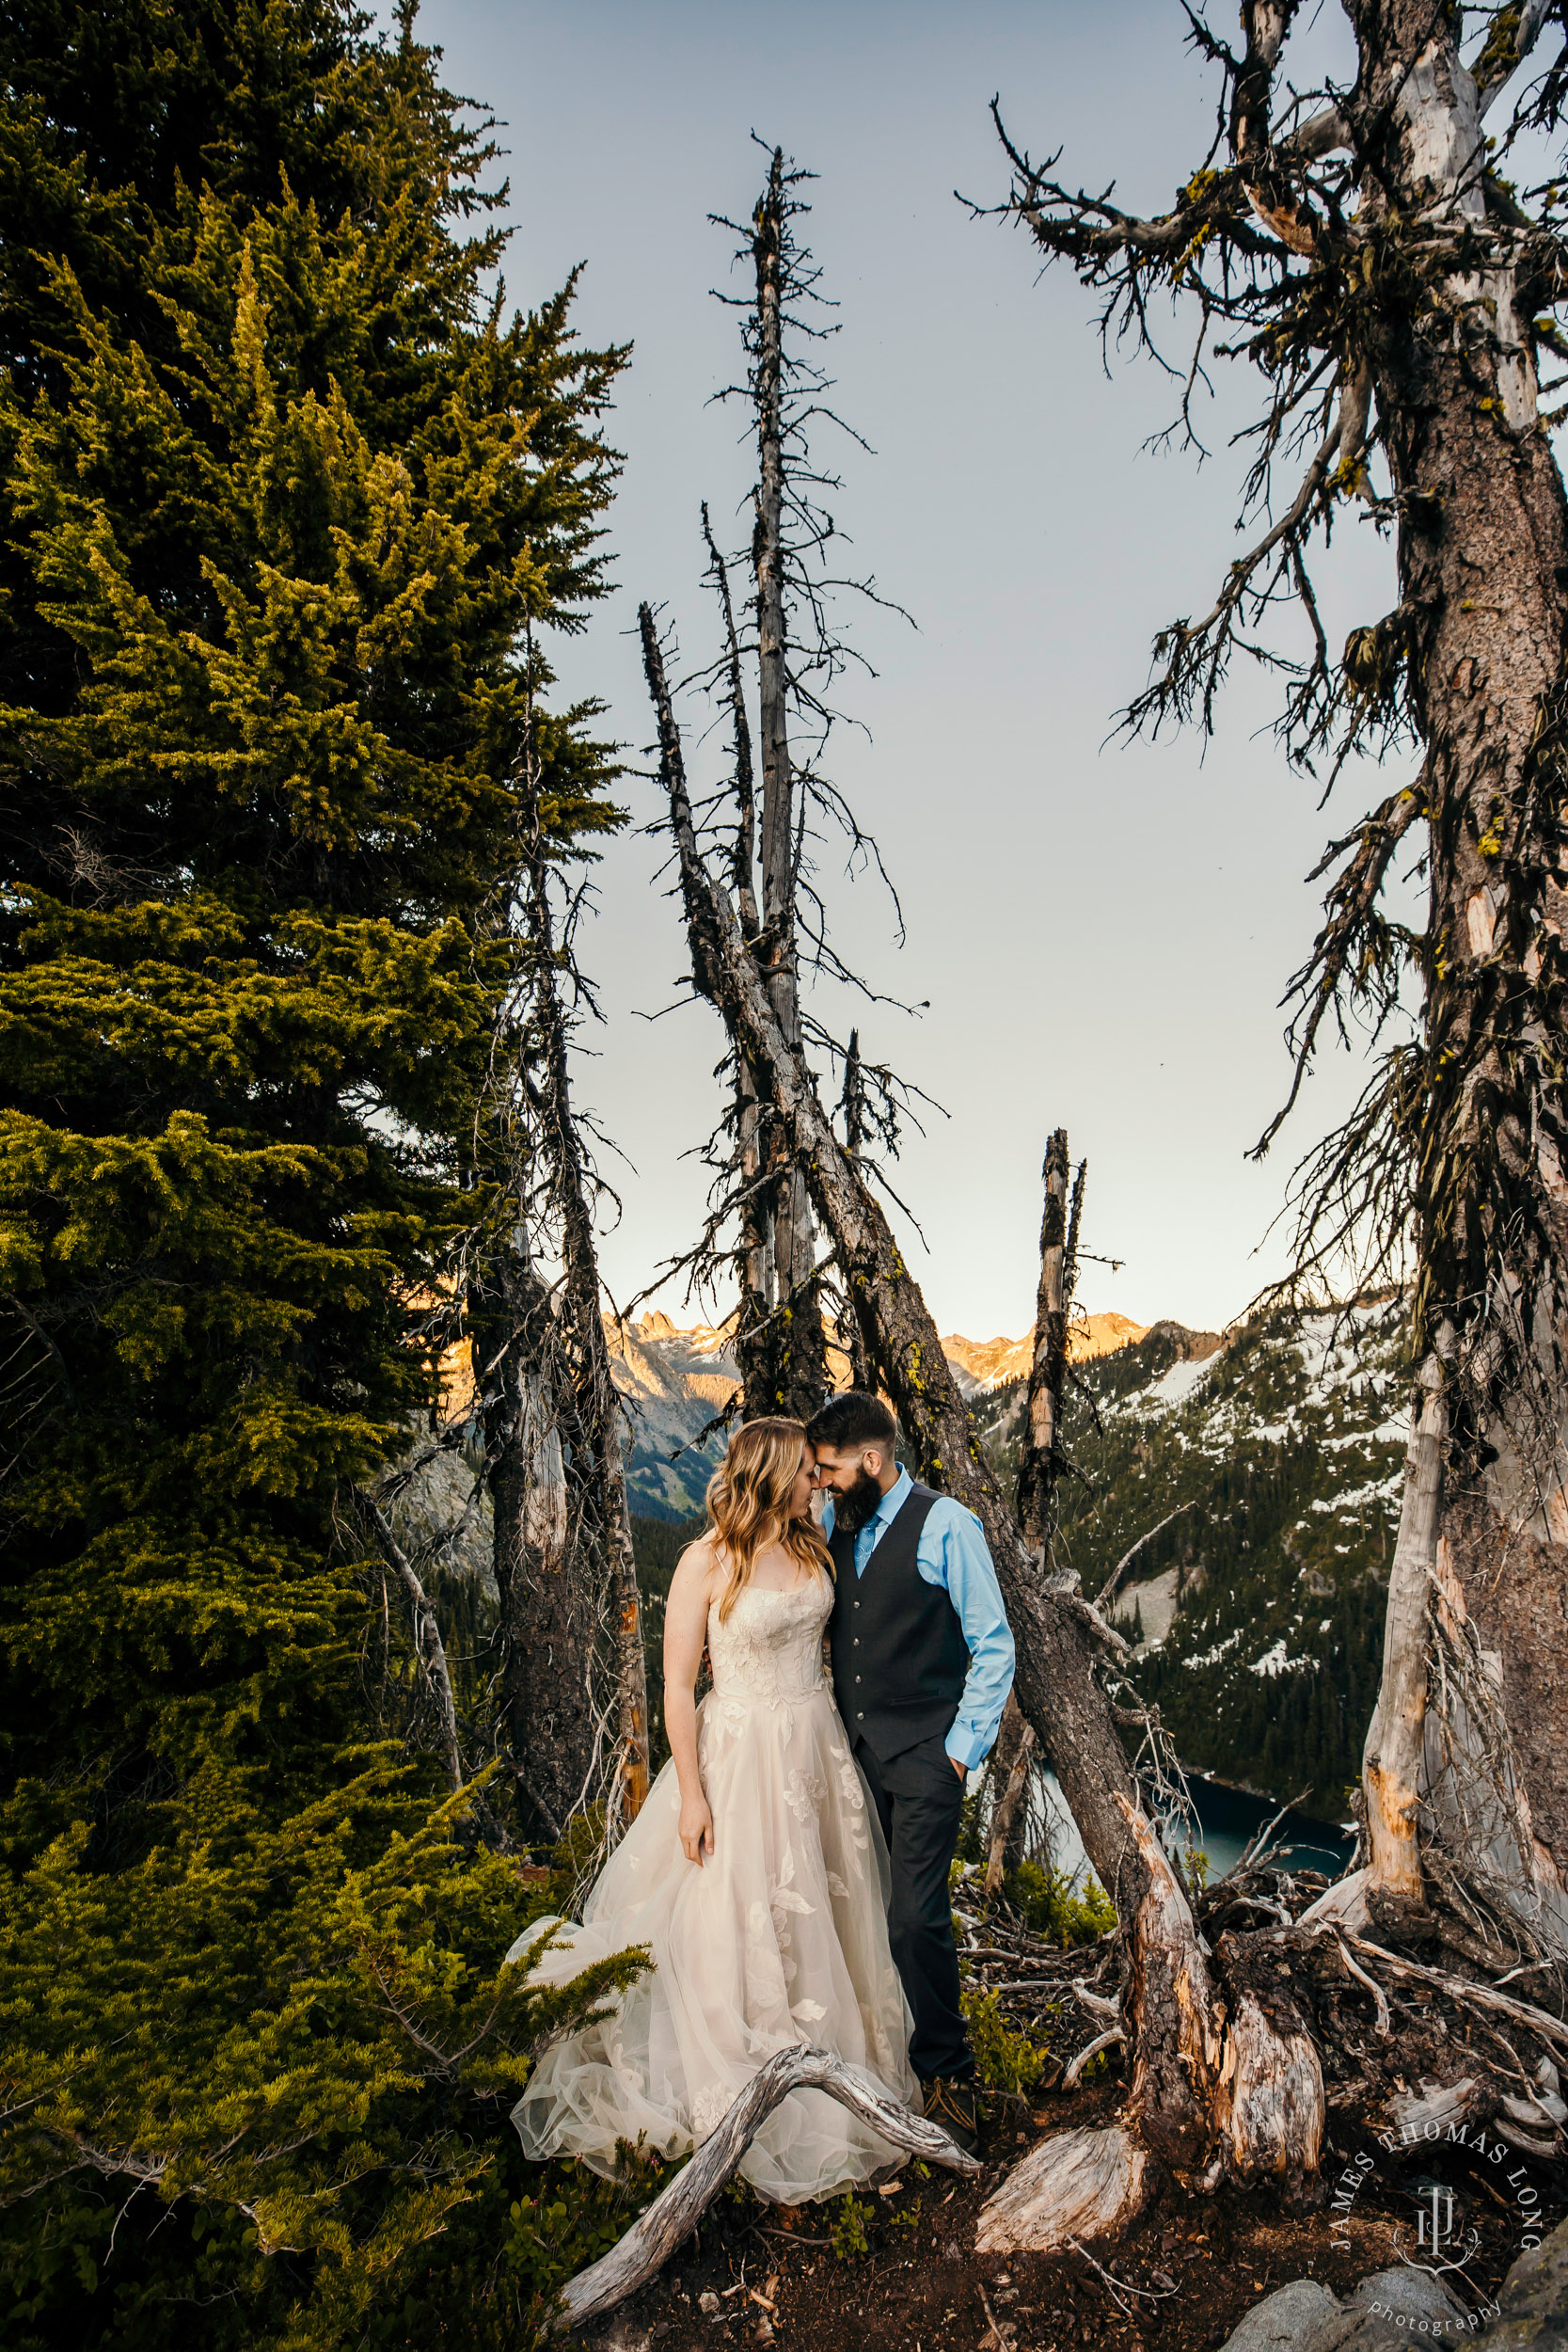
778, 1938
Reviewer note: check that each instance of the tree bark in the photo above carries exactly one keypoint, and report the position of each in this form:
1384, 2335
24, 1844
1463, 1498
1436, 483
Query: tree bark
1391, 1765
1054, 1629
546, 1632
1075, 2188
1483, 562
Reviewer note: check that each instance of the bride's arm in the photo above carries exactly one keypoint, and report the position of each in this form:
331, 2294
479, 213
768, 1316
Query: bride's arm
685, 1631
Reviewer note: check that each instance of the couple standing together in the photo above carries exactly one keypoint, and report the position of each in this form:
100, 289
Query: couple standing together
789, 1870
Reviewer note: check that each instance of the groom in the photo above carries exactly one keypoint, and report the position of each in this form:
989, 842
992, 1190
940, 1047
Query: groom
922, 1662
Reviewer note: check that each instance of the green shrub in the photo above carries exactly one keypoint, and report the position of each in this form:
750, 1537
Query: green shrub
1006, 2058
848, 2229
1048, 1903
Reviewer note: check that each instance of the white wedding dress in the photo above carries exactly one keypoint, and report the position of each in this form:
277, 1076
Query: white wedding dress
779, 1937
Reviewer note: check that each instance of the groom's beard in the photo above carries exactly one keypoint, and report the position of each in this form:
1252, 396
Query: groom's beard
852, 1508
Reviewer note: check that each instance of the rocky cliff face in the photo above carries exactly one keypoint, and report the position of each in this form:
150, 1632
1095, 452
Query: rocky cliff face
675, 1383
992, 1363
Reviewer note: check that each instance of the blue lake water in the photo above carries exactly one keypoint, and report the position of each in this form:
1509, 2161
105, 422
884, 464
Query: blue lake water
1228, 1819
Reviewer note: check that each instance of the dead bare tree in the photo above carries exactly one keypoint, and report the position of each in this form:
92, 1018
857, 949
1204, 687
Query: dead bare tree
802, 1352
780, 1339
1039, 1471
852, 1109
780, 644
1361, 249
1207, 2089
756, 1234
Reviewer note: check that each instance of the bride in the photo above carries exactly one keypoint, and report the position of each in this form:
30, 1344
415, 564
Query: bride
756, 1871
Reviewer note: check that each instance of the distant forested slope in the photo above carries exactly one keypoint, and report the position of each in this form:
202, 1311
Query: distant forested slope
1259, 1608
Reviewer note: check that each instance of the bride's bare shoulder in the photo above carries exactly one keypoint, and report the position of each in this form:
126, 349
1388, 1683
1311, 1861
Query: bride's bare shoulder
698, 1565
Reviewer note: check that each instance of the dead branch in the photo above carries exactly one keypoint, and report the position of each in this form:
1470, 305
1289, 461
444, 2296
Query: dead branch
1462, 1989
1352, 929
1112, 1582
643, 2252
427, 1639
1109, 2039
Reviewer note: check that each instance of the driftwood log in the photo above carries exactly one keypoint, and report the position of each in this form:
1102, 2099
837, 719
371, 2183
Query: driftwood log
648, 2245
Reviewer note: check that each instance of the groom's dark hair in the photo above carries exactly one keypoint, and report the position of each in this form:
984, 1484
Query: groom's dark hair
851, 1419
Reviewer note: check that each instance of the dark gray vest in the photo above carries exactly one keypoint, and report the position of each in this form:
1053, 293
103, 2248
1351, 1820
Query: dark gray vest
900, 1660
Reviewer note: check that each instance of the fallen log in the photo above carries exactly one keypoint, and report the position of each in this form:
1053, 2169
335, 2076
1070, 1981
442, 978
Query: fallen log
647, 2245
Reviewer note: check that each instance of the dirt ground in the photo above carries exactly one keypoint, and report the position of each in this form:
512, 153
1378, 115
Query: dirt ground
775, 2275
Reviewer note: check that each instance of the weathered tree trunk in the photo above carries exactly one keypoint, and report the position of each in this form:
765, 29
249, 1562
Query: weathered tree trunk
1392, 1764
1010, 1770
1484, 566
1179, 2047
547, 1630
427, 1643
592, 1418
1075, 2188
852, 1338
757, 1334
800, 1374
1038, 1470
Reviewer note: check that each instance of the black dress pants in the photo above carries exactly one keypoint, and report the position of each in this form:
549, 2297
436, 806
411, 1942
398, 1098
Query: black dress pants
918, 1797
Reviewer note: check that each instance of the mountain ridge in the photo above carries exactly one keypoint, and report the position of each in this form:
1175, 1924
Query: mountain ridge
677, 1380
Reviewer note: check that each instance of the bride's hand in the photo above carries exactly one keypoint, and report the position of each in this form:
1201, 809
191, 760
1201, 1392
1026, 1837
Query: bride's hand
696, 1830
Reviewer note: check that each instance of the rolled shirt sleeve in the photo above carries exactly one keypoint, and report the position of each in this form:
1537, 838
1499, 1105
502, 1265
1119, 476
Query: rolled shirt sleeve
952, 1554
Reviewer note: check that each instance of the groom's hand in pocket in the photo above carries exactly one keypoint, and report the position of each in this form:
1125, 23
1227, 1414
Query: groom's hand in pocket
962, 1771
696, 1828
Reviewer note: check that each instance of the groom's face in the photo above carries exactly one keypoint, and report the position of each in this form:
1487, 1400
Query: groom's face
854, 1480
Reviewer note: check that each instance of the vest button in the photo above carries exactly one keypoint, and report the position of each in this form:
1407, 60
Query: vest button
857, 1677
857, 1641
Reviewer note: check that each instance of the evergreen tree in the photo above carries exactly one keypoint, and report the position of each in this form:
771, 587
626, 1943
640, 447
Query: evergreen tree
285, 491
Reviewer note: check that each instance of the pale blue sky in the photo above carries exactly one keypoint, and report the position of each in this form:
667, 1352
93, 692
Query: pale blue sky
1102, 931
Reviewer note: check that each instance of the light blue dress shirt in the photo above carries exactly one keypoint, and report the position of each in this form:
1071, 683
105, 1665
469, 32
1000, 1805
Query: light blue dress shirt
952, 1555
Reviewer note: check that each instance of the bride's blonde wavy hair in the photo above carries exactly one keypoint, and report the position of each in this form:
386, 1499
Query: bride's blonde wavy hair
748, 1499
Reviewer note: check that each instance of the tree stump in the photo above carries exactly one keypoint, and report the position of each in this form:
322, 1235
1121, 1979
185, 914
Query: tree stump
1077, 2188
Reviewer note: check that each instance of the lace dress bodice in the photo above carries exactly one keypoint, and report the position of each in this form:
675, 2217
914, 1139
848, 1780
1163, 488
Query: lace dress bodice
769, 1650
